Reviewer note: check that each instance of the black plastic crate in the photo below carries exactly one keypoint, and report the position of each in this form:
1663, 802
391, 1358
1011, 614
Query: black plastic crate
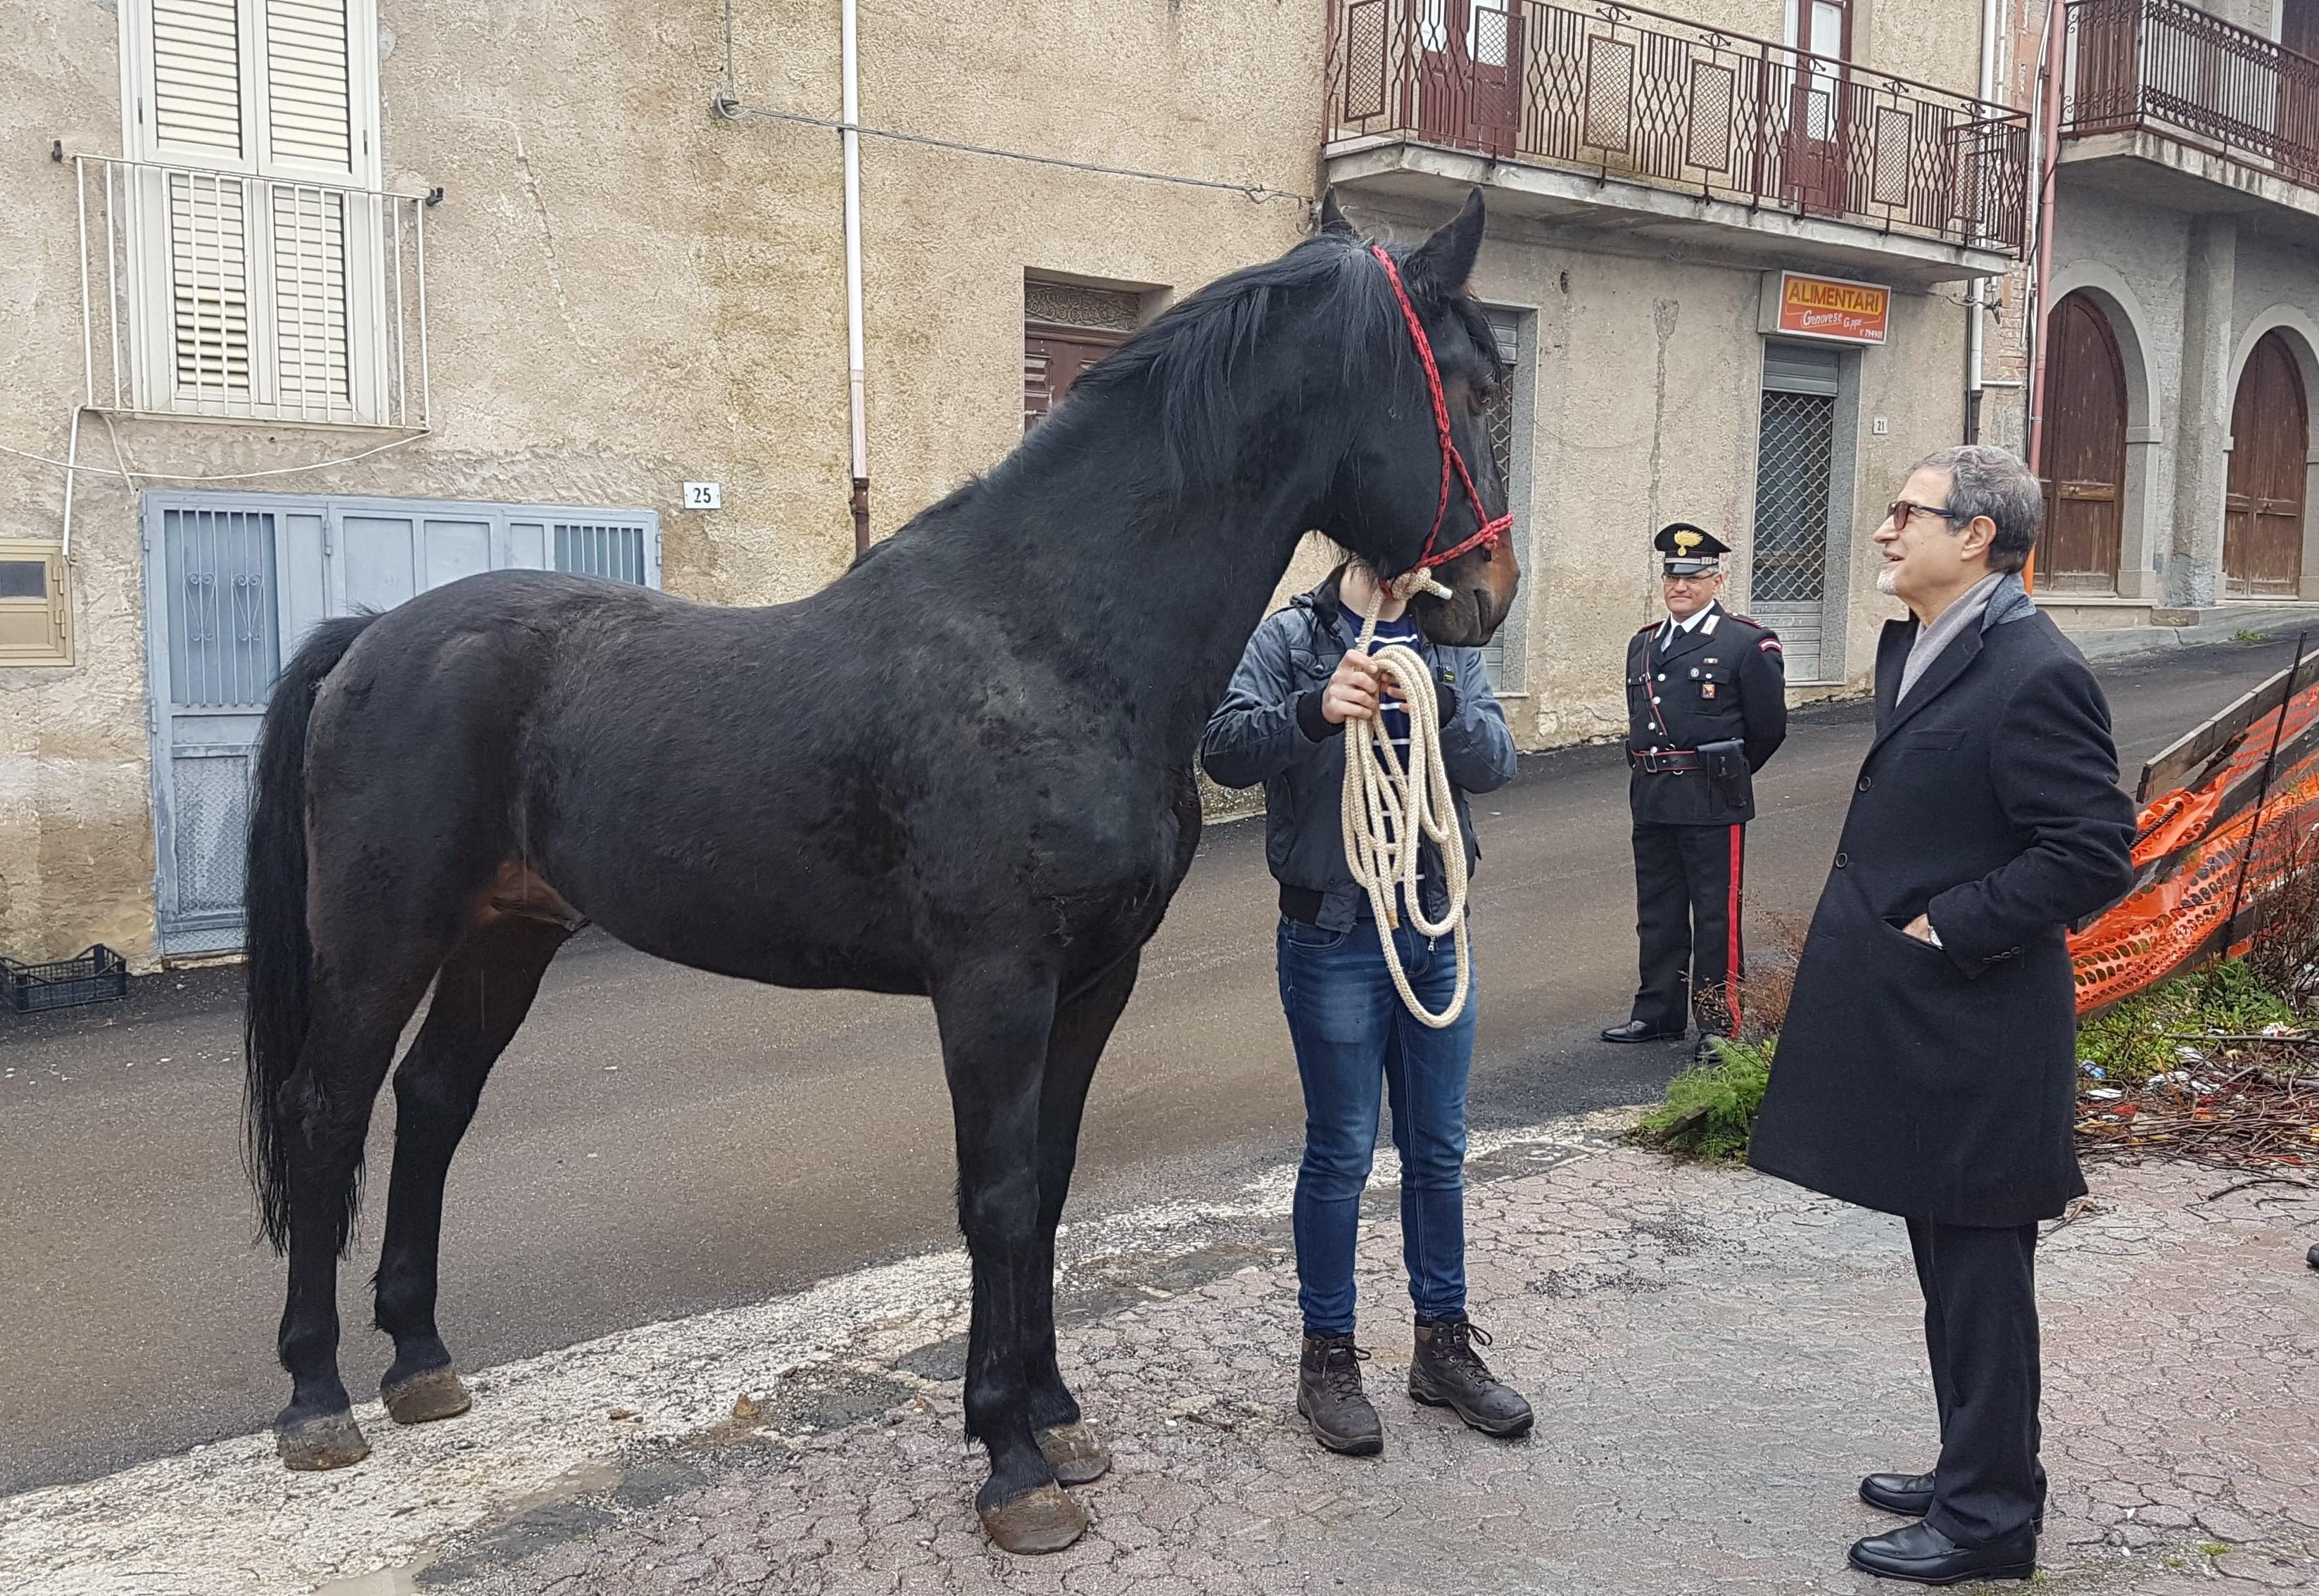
99, 975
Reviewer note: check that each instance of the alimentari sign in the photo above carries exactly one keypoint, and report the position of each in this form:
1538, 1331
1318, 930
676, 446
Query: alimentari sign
1830, 308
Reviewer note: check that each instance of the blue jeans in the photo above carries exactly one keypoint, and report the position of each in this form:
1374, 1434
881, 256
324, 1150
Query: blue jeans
1353, 1036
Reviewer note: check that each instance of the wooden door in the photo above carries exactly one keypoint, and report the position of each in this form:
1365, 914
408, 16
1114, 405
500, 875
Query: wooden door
1818, 116
2084, 463
1468, 73
1052, 360
2270, 443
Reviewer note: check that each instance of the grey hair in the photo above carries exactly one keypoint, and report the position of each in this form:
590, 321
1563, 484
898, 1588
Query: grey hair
1986, 481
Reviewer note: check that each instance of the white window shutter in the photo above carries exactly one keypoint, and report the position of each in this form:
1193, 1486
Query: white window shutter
209, 284
309, 114
197, 76
309, 296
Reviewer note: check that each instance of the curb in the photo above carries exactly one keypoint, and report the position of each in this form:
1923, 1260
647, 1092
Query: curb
2129, 642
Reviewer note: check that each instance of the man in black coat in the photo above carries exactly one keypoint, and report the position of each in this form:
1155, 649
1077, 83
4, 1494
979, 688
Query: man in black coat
1928, 1061
1705, 706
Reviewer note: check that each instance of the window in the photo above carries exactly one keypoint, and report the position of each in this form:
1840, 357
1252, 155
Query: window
256, 241
1797, 579
35, 620
1504, 653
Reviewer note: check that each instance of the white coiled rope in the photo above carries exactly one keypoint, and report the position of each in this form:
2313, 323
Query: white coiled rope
1388, 808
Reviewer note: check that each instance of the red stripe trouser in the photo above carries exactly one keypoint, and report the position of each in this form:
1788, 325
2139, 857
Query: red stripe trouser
1687, 892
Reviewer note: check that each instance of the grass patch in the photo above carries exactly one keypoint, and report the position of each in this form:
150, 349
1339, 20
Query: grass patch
2243, 636
2132, 1040
1710, 1109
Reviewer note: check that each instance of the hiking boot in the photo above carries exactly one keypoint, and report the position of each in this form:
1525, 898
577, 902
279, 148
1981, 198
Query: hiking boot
1447, 1373
1329, 1395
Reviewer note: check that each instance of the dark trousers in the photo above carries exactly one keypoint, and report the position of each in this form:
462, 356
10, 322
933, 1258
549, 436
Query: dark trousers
1980, 1329
1687, 880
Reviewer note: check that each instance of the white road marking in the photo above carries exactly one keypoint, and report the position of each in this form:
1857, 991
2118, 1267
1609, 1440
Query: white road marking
228, 1519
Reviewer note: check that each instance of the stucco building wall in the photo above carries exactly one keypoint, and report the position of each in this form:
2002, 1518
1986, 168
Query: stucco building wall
627, 292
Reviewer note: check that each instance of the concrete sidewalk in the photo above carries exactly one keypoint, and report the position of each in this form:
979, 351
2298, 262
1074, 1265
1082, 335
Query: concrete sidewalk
1716, 1359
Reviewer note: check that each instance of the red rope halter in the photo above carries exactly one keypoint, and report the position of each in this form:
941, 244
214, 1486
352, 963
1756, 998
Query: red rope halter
1490, 530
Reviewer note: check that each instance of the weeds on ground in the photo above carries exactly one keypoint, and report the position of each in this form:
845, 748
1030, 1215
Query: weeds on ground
1709, 1110
2141, 1036
2244, 636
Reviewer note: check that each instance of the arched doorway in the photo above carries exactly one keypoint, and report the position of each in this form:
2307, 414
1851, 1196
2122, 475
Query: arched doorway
2084, 450
2270, 444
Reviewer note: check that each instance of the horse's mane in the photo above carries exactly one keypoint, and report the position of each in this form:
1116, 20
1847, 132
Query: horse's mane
1192, 359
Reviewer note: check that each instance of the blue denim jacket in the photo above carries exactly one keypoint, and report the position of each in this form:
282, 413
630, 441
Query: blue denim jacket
1270, 729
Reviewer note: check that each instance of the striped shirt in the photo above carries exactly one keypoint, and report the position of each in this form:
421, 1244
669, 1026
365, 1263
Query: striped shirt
1393, 713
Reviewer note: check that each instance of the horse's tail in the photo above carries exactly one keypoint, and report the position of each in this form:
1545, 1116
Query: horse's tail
281, 953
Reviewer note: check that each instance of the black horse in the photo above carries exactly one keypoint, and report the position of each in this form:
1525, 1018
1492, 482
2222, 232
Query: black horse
962, 770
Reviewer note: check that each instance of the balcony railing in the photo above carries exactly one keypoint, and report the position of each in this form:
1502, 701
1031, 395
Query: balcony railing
231, 296
2174, 69
1622, 93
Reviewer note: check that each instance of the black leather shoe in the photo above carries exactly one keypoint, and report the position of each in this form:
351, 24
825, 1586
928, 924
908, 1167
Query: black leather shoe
2311, 1257
1922, 1555
1636, 1031
1447, 1373
1329, 1394
1911, 1497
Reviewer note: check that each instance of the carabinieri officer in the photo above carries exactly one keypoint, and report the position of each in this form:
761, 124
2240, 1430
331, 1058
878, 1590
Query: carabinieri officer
1705, 706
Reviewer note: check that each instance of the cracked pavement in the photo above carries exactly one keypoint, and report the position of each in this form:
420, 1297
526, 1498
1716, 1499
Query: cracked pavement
1716, 1358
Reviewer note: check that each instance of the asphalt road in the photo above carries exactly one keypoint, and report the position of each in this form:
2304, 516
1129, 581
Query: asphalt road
658, 1142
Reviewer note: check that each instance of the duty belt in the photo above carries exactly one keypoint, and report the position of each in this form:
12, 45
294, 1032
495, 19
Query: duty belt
1666, 762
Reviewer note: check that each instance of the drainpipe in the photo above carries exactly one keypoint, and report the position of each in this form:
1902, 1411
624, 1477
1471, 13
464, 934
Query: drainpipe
1977, 295
850, 114
2048, 67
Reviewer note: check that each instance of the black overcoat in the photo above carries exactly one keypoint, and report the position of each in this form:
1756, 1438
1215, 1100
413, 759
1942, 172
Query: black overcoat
1938, 1082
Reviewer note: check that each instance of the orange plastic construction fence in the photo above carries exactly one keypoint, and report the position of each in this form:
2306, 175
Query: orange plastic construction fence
2190, 850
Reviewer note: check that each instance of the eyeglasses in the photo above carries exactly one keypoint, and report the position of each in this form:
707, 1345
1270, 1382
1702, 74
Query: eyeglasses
1900, 509
1694, 576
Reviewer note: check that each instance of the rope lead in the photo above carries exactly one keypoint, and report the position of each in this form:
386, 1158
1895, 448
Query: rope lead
1387, 809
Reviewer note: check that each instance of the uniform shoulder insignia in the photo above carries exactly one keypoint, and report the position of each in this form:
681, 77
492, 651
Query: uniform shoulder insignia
1770, 645
1646, 627
1746, 620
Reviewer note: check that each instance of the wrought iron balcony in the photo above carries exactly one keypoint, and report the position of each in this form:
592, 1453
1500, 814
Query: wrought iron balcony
2167, 67
231, 296
1625, 95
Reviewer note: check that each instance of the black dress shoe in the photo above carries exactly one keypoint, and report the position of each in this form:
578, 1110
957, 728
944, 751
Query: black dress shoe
1923, 1555
1636, 1031
1911, 1497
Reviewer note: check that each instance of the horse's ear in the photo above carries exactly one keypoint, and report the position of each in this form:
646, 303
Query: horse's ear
1441, 266
1332, 220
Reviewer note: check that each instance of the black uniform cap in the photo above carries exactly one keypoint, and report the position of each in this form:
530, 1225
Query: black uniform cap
1689, 550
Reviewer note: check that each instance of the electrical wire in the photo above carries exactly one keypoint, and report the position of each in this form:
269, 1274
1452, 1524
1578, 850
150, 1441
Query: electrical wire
735, 110
178, 476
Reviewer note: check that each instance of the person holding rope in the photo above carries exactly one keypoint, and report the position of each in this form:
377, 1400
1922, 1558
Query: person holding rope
1357, 963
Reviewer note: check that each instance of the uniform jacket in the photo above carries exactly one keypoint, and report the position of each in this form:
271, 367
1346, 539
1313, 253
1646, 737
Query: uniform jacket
1939, 1083
1723, 680
1270, 729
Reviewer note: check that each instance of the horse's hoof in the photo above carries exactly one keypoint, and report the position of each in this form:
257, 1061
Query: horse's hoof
1043, 1520
426, 1396
331, 1441
1075, 1455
